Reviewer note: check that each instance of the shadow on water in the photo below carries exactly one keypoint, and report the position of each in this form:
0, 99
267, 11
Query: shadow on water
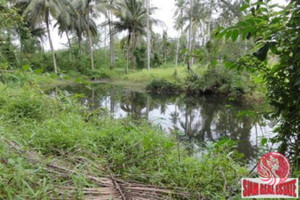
194, 120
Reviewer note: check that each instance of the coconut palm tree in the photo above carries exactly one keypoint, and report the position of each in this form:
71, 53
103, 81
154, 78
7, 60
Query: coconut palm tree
179, 18
84, 23
41, 11
165, 45
132, 17
106, 9
65, 23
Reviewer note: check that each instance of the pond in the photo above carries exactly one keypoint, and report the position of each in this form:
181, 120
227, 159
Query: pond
194, 121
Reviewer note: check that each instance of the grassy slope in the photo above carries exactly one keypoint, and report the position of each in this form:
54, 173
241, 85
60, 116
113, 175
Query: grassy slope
59, 128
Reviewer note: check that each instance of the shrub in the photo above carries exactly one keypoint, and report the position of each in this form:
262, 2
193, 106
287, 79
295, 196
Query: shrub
217, 80
96, 74
26, 105
163, 86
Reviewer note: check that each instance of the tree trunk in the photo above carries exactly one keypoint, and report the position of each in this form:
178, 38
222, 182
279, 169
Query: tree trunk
69, 41
93, 99
111, 42
51, 44
70, 46
105, 40
190, 35
79, 43
178, 41
127, 54
148, 36
210, 21
177, 51
193, 47
132, 51
91, 49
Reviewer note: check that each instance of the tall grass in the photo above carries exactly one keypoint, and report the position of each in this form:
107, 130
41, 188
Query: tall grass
58, 127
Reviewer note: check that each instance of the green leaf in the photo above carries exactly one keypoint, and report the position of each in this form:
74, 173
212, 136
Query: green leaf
263, 141
244, 7
235, 35
26, 68
214, 63
242, 24
229, 65
38, 71
228, 34
221, 34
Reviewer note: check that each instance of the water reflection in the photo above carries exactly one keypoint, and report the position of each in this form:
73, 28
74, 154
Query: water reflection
194, 120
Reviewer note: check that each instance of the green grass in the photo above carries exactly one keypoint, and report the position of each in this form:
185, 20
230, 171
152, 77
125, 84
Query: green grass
141, 78
157, 73
45, 81
58, 128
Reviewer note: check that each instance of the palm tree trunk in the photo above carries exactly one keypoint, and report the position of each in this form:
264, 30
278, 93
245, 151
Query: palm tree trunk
105, 40
91, 49
132, 50
70, 46
51, 44
69, 41
190, 34
193, 47
177, 51
79, 43
210, 21
148, 35
127, 58
111, 42
185, 53
178, 40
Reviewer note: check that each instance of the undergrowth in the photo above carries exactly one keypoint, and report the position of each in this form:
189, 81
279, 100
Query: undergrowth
58, 126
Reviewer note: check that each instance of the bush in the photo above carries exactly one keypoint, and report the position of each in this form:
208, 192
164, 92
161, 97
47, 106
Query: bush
96, 74
217, 80
163, 86
26, 105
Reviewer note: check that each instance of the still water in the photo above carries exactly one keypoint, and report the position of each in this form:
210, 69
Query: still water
194, 120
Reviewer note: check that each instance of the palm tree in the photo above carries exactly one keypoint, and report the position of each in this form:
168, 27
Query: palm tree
65, 23
111, 38
84, 24
180, 4
106, 9
132, 17
39, 11
165, 45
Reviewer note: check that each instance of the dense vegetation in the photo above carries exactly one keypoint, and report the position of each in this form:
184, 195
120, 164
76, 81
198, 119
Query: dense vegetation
58, 130
241, 50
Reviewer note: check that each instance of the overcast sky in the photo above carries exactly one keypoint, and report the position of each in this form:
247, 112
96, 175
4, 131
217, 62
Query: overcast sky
164, 13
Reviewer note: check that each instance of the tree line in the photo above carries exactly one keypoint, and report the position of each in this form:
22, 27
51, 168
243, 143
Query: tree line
79, 19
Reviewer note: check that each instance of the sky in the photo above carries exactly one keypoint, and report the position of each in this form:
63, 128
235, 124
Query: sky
165, 12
